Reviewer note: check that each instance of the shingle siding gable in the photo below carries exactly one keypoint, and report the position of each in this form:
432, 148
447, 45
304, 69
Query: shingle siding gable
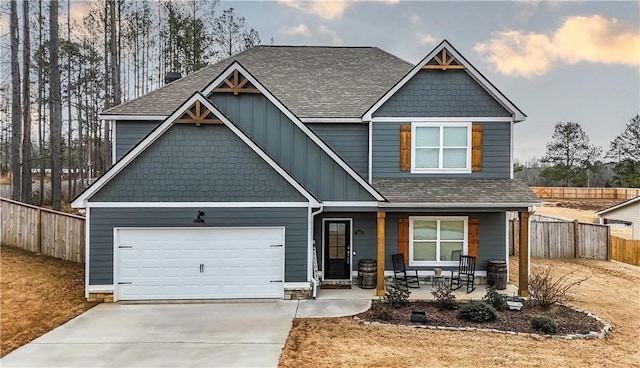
198, 164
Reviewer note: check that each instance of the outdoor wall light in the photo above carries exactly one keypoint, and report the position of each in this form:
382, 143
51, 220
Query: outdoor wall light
359, 232
199, 218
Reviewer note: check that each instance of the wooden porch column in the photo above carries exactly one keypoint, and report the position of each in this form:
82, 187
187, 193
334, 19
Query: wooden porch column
523, 260
381, 253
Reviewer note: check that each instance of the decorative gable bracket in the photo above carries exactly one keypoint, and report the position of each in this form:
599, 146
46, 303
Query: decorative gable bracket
236, 85
196, 115
443, 61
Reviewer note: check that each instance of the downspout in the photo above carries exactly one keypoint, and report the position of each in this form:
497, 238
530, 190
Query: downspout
314, 279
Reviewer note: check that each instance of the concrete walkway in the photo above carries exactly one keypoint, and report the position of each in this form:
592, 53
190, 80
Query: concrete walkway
211, 334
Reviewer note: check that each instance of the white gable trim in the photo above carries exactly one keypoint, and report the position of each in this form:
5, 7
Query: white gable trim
237, 66
619, 205
473, 72
82, 199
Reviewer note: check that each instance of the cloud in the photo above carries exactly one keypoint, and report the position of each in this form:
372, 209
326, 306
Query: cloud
329, 36
592, 39
332, 9
322, 34
326, 9
414, 18
300, 29
425, 39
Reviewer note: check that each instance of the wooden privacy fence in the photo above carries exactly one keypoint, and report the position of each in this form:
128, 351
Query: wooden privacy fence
40, 230
562, 239
625, 250
585, 193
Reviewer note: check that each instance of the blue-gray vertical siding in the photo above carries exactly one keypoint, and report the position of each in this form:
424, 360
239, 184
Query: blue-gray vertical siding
492, 235
437, 93
130, 132
291, 147
198, 164
103, 220
496, 152
350, 141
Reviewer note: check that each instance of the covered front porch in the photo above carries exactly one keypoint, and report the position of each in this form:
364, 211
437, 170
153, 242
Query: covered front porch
475, 197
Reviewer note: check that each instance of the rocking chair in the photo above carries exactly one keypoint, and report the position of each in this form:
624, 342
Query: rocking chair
465, 275
400, 276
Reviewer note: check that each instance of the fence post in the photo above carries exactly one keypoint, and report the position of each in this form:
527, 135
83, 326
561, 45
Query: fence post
576, 237
608, 243
39, 230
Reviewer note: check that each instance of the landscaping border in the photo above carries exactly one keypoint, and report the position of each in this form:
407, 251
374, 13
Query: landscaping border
591, 335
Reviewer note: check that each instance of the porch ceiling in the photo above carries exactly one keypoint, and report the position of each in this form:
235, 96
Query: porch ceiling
456, 192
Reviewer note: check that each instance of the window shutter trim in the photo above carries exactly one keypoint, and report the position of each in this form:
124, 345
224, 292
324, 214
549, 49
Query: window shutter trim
473, 238
403, 238
405, 147
476, 147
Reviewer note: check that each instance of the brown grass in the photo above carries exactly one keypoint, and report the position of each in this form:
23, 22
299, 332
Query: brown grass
612, 292
37, 294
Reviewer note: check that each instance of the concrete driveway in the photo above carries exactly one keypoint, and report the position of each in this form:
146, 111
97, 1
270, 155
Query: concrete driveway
234, 334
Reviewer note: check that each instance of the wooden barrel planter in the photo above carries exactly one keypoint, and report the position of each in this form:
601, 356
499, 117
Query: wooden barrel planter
497, 274
367, 273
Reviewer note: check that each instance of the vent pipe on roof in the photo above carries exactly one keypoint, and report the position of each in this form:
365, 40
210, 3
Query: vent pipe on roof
171, 76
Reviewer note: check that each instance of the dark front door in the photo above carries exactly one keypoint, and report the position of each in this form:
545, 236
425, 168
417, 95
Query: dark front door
337, 243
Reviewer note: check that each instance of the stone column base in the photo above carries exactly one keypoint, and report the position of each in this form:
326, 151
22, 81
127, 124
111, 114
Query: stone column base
297, 294
100, 298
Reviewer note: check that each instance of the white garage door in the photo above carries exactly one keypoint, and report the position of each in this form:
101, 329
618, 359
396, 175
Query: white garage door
188, 263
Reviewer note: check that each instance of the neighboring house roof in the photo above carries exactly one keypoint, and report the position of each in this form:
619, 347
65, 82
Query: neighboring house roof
619, 205
81, 200
313, 82
458, 192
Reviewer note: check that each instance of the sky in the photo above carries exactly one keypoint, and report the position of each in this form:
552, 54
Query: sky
557, 61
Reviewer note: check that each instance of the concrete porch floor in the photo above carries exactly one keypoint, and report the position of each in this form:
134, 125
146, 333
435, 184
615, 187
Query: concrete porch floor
422, 293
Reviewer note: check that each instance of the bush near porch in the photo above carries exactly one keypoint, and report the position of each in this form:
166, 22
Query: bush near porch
612, 293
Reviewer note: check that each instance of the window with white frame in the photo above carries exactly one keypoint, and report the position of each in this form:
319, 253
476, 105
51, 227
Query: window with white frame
437, 241
441, 147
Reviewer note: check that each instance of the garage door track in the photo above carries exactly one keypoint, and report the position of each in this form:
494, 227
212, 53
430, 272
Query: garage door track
234, 334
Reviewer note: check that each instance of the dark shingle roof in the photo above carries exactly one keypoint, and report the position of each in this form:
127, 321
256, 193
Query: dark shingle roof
328, 82
507, 192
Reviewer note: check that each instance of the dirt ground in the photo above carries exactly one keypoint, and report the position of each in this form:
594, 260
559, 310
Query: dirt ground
37, 294
612, 292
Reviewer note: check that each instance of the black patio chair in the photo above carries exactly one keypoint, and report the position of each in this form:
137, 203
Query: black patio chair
400, 276
466, 274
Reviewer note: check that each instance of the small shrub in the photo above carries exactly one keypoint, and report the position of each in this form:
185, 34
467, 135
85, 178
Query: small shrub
396, 297
381, 311
546, 289
445, 298
477, 312
495, 299
543, 324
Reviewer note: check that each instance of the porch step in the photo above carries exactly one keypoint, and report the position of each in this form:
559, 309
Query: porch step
336, 284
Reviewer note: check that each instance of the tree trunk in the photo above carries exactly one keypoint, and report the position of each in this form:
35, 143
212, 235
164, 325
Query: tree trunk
40, 104
26, 109
55, 108
16, 119
70, 121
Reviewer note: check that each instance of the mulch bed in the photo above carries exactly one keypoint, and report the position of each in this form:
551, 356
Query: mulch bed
568, 320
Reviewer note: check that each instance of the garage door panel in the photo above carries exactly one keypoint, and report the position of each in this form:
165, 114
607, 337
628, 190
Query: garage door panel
165, 263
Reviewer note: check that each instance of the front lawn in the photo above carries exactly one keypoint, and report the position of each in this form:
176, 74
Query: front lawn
612, 292
37, 294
